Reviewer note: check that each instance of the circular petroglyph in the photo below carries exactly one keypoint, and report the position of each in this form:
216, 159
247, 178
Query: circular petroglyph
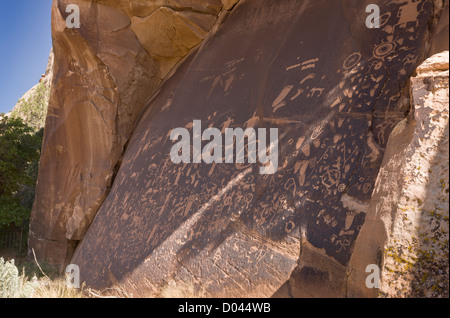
377, 65
289, 226
352, 60
367, 187
331, 177
383, 49
385, 18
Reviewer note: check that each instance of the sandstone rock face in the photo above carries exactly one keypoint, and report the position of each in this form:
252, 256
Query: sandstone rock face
104, 74
406, 227
440, 39
334, 89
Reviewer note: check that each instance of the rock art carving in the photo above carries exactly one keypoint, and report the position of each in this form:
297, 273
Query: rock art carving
335, 96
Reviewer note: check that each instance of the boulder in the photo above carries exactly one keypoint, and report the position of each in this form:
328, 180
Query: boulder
333, 88
104, 74
406, 227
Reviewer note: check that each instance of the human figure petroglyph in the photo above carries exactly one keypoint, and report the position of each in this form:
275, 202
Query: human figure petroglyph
314, 90
226, 124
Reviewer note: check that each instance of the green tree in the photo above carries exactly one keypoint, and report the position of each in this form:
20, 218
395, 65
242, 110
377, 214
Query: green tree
33, 109
19, 160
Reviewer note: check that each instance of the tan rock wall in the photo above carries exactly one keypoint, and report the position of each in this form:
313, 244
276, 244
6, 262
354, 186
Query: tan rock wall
334, 90
406, 229
105, 72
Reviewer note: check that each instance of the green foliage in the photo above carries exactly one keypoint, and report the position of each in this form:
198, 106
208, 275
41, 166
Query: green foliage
12, 285
31, 269
12, 212
33, 110
19, 160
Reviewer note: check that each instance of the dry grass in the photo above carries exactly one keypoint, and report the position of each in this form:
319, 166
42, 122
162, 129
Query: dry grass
181, 290
113, 292
16, 285
56, 288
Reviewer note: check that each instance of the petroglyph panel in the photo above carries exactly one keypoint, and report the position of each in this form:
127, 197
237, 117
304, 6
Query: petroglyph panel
334, 94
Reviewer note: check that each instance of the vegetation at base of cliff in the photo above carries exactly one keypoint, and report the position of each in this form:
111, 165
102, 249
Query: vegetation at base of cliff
14, 284
181, 290
33, 109
20, 148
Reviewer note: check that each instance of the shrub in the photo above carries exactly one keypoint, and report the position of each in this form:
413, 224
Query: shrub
56, 288
12, 285
33, 110
19, 160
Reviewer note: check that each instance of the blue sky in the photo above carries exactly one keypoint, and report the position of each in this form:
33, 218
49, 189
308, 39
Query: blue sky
25, 43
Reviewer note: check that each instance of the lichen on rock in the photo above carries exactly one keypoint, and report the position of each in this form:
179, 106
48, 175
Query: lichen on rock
408, 216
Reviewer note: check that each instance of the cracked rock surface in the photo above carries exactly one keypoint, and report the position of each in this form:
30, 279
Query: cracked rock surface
104, 74
334, 90
406, 228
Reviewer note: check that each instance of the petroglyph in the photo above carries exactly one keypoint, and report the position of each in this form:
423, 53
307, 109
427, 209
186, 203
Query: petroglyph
279, 101
352, 60
334, 117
